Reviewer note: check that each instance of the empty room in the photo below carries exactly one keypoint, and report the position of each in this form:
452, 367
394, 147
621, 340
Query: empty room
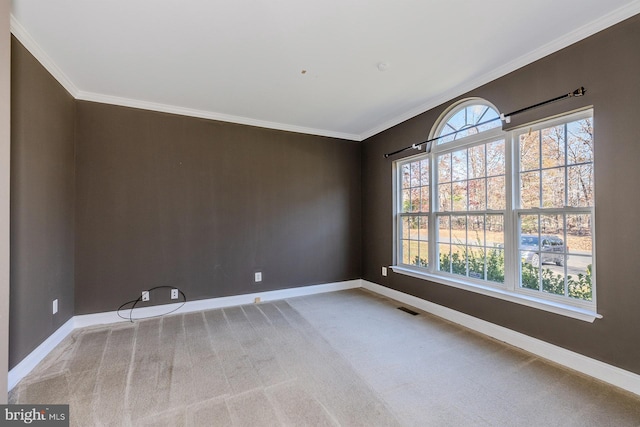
320, 213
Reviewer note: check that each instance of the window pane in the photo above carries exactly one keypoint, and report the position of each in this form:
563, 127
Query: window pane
459, 165
477, 195
552, 225
579, 236
553, 280
457, 121
415, 174
444, 168
475, 114
495, 158
414, 257
415, 199
417, 227
458, 260
496, 193
530, 190
495, 265
580, 141
406, 200
553, 147
489, 115
529, 274
476, 259
580, 185
406, 176
459, 196
444, 197
475, 230
424, 172
579, 277
405, 227
553, 188
459, 230
423, 248
530, 151
495, 230
466, 132
477, 162
424, 198
445, 257
405, 252
529, 231
424, 228
444, 234
444, 248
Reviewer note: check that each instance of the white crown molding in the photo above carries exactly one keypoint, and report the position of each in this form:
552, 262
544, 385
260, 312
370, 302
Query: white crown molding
587, 30
575, 361
581, 33
183, 111
30, 44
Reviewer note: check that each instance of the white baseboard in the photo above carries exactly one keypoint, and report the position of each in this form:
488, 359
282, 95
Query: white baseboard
27, 364
31, 361
586, 365
81, 321
594, 368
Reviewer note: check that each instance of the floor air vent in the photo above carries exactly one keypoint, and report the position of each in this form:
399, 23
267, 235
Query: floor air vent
406, 310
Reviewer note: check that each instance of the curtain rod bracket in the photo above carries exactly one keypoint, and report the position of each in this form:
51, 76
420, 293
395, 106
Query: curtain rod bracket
506, 119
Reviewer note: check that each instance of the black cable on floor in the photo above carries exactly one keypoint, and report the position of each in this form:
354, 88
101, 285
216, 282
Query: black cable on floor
139, 299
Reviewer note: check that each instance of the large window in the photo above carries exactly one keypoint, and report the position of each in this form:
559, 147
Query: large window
555, 218
506, 210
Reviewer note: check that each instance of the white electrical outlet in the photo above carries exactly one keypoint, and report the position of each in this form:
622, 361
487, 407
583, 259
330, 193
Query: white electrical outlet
55, 306
174, 294
145, 295
258, 276
384, 271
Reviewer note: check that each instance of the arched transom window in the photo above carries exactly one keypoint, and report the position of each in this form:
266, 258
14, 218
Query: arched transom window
469, 118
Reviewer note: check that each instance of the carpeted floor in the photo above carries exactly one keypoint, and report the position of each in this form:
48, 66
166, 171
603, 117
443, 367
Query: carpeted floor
345, 358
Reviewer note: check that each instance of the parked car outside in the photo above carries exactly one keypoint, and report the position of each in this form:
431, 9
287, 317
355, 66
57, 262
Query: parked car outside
551, 249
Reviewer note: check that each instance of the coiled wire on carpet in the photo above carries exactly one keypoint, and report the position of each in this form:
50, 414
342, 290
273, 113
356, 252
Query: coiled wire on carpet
139, 299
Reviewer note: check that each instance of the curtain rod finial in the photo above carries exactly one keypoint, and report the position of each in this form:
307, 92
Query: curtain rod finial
578, 92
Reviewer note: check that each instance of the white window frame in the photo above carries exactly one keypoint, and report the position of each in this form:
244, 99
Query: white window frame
510, 289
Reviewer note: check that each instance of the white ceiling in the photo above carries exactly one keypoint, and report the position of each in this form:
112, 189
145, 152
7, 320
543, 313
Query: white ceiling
242, 60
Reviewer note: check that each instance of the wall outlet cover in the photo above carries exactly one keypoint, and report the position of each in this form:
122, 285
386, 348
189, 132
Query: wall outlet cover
145, 295
174, 293
258, 277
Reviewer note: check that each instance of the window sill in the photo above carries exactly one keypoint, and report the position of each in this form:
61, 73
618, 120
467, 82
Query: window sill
527, 300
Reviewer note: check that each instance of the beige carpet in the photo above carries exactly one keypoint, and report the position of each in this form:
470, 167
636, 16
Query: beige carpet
339, 359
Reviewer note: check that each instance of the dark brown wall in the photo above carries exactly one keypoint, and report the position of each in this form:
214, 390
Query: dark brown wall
608, 65
201, 205
42, 204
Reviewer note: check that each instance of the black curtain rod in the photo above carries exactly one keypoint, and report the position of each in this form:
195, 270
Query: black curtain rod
506, 117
